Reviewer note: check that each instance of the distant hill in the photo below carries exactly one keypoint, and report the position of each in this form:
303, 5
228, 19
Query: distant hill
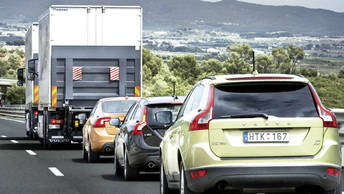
229, 15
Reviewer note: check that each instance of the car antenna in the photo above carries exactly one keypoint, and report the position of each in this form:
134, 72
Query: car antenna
174, 90
255, 72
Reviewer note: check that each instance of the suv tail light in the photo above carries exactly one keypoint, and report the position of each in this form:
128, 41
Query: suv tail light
100, 122
328, 117
140, 125
201, 121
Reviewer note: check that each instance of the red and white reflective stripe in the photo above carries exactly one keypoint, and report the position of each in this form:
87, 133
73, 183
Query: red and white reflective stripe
77, 73
114, 73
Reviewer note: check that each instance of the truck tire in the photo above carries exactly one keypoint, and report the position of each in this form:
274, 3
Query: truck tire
91, 155
29, 131
46, 144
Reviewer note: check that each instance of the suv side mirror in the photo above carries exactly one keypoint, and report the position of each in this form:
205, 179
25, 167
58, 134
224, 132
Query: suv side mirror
31, 66
20, 76
164, 117
115, 122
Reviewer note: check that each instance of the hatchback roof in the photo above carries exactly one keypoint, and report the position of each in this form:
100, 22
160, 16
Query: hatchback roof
119, 98
162, 100
237, 78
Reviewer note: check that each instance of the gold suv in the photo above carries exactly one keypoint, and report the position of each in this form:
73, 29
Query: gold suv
98, 134
241, 132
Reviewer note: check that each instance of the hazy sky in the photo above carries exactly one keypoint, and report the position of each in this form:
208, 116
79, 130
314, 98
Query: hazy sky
335, 5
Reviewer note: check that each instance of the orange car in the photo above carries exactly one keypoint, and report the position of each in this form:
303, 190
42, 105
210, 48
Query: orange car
98, 135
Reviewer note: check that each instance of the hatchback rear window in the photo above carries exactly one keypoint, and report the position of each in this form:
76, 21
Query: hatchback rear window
118, 106
274, 99
152, 109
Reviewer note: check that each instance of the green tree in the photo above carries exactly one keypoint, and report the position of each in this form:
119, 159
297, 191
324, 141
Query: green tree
212, 67
295, 54
243, 50
3, 52
264, 64
185, 67
341, 73
237, 65
309, 72
16, 94
281, 60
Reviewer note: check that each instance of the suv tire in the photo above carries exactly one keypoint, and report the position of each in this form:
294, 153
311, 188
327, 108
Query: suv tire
163, 181
183, 187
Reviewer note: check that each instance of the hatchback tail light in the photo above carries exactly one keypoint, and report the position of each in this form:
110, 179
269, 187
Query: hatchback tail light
201, 121
328, 117
139, 126
56, 121
100, 122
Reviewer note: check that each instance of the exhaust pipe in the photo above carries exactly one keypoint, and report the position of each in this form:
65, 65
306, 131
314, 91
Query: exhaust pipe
108, 149
151, 165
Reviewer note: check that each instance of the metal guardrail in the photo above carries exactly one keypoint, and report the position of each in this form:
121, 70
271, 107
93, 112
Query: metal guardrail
13, 111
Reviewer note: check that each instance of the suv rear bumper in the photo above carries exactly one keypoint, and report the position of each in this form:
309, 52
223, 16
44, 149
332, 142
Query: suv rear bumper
264, 177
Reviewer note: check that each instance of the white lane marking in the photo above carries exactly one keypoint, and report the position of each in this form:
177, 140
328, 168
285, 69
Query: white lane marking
14, 141
3, 136
55, 171
31, 152
4, 118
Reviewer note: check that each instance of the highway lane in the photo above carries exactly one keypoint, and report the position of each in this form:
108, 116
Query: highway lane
24, 168
24, 172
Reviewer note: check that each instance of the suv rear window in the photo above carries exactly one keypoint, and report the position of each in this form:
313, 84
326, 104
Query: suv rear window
152, 109
118, 106
275, 99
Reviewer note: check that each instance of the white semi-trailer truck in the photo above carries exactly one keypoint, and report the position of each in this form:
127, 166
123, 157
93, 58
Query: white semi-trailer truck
31, 99
85, 53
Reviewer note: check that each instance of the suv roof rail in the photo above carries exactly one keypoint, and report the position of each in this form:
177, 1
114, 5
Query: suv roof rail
211, 77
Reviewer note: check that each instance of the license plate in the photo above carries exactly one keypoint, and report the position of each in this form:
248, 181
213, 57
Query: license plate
266, 137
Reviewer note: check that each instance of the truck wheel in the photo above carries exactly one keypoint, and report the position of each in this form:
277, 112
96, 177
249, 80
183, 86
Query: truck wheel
183, 182
46, 144
29, 131
117, 167
129, 172
91, 155
163, 181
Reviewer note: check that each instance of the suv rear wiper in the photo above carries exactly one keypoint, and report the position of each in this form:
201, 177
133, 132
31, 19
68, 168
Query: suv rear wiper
253, 115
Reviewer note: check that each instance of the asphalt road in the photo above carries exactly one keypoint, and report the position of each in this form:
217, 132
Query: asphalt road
24, 172
25, 167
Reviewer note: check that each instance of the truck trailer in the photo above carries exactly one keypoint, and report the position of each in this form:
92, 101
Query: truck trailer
85, 53
31, 90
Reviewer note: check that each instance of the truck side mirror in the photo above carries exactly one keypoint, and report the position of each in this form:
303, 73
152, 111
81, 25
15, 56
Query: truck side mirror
20, 76
31, 66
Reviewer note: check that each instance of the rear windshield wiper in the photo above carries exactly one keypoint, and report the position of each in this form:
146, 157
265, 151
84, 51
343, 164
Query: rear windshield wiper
253, 115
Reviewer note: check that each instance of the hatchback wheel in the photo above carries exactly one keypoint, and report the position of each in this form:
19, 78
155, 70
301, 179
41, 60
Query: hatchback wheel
183, 183
163, 181
338, 190
129, 172
118, 169
91, 155
84, 152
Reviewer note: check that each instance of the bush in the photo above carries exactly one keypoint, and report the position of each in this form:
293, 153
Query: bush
16, 94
